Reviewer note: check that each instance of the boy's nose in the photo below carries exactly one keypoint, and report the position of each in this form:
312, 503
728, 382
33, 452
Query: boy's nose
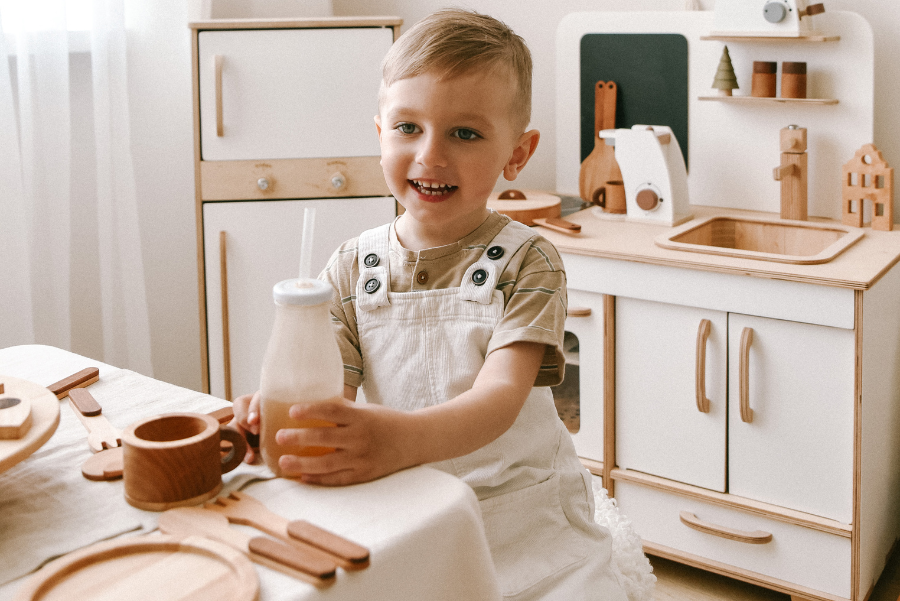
432, 152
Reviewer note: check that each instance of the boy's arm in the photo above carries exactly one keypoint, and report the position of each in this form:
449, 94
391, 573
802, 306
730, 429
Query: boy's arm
373, 441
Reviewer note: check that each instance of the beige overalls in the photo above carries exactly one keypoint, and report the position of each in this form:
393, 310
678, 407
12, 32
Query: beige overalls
426, 347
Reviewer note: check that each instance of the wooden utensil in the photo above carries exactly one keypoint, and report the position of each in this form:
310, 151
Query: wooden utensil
600, 165
241, 508
559, 225
146, 568
101, 434
44, 415
83, 378
293, 561
525, 206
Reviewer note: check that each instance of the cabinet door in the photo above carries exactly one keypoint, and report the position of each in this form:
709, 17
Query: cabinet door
290, 93
581, 394
262, 240
797, 452
670, 359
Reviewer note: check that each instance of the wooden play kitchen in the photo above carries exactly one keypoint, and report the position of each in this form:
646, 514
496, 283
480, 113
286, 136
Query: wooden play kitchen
745, 420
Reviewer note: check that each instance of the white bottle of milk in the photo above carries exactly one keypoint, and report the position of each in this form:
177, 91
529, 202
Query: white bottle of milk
302, 364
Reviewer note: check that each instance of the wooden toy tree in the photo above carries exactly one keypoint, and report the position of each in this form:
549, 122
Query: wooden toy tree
725, 80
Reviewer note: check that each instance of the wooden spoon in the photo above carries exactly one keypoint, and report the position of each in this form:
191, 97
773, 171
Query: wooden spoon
241, 508
600, 166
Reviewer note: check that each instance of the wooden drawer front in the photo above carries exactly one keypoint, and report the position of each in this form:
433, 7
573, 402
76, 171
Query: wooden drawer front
292, 178
798, 555
290, 93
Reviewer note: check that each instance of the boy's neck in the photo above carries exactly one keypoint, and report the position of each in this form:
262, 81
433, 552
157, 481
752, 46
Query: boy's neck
418, 235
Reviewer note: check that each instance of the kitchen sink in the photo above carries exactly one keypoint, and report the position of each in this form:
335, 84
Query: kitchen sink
782, 241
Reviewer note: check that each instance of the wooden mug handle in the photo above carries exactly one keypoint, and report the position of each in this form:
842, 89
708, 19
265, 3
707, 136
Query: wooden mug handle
599, 197
238, 448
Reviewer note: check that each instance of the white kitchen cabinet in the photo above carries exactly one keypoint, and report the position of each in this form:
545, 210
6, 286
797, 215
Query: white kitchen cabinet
789, 435
262, 247
290, 93
797, 450
283, 120
802, 498
663, 427
584, 383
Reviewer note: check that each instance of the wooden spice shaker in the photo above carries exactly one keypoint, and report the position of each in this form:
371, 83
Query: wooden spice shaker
763, 84
793, 80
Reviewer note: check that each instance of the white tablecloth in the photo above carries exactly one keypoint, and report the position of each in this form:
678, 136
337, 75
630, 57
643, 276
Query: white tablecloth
423, 527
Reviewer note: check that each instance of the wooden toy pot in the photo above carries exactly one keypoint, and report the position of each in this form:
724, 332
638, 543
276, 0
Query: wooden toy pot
174, 460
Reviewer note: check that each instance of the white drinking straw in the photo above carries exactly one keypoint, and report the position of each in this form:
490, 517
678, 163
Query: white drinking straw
309, 219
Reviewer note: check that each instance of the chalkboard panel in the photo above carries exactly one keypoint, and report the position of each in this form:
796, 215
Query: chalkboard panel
651, 73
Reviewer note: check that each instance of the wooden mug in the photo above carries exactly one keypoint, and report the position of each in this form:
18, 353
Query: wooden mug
610, 197
174, 460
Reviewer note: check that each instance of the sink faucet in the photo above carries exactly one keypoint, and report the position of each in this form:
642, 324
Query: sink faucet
792, 172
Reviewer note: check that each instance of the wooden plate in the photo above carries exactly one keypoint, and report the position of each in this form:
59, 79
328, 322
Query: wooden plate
44, 419
146, 568
535, 204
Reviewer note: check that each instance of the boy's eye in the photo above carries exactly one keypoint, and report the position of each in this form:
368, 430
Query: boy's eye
407, 128
466, 134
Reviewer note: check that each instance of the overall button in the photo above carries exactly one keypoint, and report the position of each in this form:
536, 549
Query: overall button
371, 260
479, 277
372, 285
422, 277
494, 253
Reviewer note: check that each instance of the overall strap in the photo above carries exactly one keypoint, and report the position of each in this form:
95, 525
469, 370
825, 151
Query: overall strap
374, 281
481, 277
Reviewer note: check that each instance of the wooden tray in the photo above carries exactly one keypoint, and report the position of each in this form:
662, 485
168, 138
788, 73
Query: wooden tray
146, 568
44, 419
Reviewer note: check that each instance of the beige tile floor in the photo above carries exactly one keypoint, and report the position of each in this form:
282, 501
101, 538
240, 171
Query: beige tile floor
677, 582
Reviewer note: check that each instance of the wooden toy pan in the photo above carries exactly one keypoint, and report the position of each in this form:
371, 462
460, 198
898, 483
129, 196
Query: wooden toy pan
43, 408
146, 568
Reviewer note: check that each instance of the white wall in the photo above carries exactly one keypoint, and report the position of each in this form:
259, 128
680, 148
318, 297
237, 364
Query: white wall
161, 125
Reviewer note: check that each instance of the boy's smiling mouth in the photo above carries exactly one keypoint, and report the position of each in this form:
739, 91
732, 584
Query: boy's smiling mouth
432, 189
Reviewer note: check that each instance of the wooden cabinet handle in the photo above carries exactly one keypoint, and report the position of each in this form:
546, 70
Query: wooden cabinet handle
744, 375
218, 59
226, 338
757, 537
700, 372
579, 312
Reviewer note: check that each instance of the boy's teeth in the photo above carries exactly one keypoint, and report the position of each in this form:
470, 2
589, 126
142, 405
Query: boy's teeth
433, 189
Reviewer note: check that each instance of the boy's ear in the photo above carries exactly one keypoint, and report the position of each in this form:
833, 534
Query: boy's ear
525, 147
378, 125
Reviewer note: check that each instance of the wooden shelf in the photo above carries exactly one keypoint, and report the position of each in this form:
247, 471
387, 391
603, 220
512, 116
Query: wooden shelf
757, 100
737, 37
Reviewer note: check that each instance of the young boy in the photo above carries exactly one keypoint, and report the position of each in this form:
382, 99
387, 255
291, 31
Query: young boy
451, 318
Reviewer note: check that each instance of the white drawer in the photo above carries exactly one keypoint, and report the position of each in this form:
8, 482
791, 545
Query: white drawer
798, 555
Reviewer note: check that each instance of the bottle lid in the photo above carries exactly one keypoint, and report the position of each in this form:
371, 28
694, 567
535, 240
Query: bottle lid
297, 291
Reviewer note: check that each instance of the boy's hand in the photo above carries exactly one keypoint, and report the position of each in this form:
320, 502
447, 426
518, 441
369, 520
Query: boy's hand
368, 443
246, 420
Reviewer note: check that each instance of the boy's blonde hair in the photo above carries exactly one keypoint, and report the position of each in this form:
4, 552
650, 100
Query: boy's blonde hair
454, 42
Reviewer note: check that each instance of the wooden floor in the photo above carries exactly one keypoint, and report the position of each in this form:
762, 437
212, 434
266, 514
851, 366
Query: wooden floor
677, 582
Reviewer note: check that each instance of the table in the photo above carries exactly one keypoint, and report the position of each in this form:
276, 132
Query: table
422, 526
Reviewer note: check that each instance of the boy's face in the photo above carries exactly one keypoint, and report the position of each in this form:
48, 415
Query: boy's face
444, 143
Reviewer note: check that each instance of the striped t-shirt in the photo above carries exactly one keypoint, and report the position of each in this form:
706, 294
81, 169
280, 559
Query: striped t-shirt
533, 286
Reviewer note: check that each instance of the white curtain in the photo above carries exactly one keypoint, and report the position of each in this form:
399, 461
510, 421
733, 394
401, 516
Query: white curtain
71, 268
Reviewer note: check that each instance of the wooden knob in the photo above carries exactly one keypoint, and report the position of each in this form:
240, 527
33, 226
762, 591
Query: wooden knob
511, 195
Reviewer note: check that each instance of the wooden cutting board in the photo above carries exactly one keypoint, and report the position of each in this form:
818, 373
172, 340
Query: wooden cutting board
525, 206
146, 568
44, 418
600, 165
